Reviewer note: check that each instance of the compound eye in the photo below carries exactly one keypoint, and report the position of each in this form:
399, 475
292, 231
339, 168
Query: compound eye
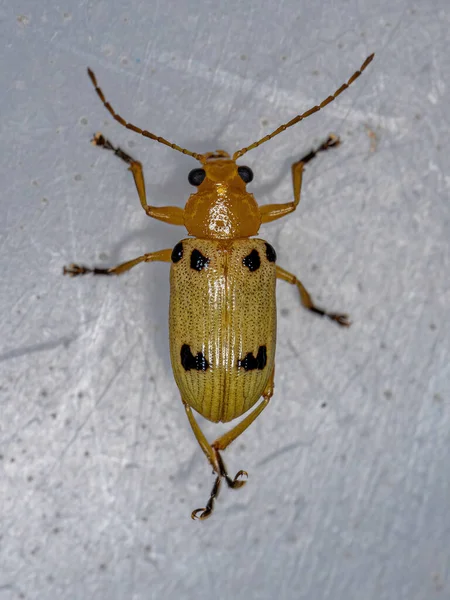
246, 174
196, 176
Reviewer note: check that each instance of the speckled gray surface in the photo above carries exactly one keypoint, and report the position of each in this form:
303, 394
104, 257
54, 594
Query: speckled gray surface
348, 495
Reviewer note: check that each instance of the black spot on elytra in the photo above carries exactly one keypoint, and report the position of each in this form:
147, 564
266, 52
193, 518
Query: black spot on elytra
189, 361
177, 253
198, 261
252, 261
250, 363
270, 253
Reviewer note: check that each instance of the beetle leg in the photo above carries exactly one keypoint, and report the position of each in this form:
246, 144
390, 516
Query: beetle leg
232, 483
271, 212
201, 439
213, 455
225, 440
213, 459
341, 319
206, 512
235, 483
161, 255
170, 214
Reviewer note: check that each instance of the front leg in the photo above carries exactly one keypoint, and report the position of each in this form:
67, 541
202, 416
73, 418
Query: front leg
169, 214
161, 255
271, 212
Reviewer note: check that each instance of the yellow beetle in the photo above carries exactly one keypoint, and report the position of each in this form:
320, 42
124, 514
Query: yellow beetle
222, 317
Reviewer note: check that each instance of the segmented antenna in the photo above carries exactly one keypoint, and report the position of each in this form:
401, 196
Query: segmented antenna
143, 132
309, 112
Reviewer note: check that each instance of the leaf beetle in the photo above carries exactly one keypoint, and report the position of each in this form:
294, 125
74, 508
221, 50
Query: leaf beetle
222, 315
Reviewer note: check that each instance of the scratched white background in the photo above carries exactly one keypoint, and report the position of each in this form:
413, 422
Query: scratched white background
99, 471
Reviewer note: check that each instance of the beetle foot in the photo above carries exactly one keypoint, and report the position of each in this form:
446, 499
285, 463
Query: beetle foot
236, 483
203, 513
340, 319
206, 512
74, 270
99, 140
330, 142
232, 483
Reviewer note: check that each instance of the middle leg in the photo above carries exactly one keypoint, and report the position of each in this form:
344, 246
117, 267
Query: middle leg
306, 300
161, 255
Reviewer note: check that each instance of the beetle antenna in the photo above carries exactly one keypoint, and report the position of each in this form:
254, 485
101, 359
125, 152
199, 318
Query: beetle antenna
306, 114
143, 132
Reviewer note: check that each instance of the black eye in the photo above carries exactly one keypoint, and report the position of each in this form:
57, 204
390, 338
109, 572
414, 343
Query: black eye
246, 174
196, 176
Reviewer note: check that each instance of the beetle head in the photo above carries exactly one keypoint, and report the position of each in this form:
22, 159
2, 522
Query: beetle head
221, 207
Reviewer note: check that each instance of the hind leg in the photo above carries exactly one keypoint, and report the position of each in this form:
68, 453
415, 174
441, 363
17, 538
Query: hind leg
212, 450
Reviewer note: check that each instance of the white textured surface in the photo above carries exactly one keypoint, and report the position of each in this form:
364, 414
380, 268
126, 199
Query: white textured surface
99, 471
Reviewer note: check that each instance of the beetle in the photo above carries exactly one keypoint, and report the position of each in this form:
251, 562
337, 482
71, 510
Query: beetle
222, 314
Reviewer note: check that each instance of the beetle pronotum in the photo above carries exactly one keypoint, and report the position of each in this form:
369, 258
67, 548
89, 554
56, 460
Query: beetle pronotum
222, 316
